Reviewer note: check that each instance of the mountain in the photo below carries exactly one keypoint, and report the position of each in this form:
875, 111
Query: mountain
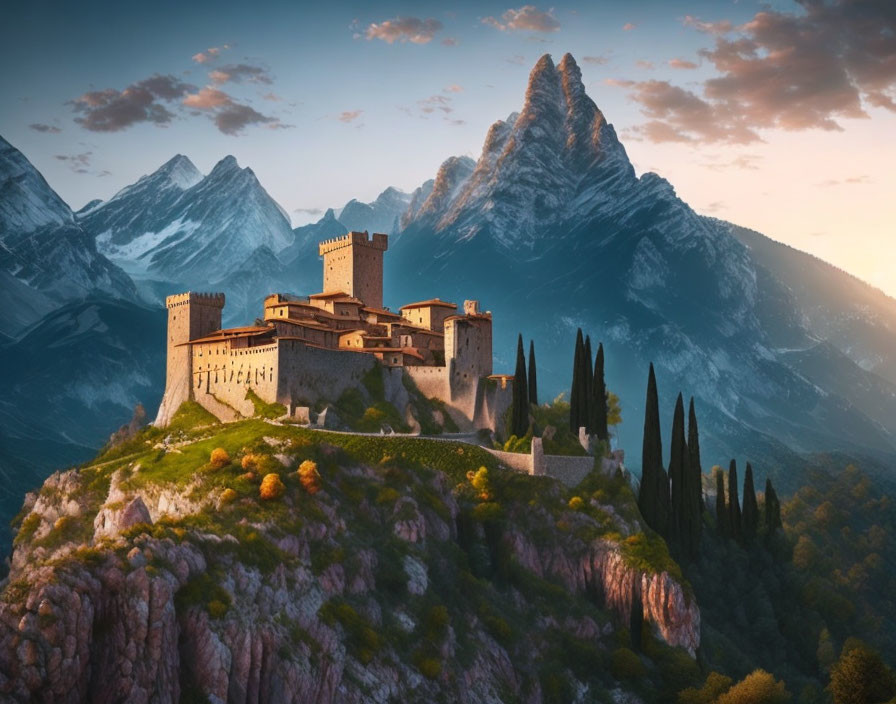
46, 258
553, 230
174, 225
384, 575
382, 215
73, 378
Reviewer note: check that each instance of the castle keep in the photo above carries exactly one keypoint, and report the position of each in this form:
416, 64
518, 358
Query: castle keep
313, 348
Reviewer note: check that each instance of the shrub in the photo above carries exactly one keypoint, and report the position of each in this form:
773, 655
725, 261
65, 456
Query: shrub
219, 458
576, 503
626, 665
249, 461
430, 668
309, 476
228, 496
217, 608
759, 687
272, 487
480, 482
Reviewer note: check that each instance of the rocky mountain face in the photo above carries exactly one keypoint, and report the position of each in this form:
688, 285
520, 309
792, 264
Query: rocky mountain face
174, 225
382, 215
151, 575
553, 230
46, 258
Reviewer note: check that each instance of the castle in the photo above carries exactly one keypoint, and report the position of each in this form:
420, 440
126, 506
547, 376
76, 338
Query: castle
311, 349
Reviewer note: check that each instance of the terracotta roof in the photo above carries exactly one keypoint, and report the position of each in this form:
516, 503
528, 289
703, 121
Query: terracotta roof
432, 303
423, 331
305, 323
381, 311
231, 334
331, 294
410, 351
349, 299
317, 311
353, 330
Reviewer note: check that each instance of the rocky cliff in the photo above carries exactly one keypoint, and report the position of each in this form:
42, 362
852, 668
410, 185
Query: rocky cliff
385, 569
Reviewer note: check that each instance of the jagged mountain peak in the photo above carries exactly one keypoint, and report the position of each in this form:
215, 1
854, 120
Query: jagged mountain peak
181, 171
227, 165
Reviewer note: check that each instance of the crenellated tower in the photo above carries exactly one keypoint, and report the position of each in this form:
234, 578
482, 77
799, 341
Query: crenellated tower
190, 316
353, 264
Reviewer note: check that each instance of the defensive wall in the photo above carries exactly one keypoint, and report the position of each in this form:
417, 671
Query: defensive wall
569, 469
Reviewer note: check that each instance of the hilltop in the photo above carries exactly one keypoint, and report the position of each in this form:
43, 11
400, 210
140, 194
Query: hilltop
387, 567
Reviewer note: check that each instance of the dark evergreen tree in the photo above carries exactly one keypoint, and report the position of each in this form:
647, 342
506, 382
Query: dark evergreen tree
587, 389
735, 521
636, 618
653, 494
751, 508
678, 479
519, 423
575, 422
599, 397
694, 450
772, 509
533, 381
721, 507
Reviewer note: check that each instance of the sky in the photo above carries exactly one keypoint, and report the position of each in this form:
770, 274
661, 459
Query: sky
778, 116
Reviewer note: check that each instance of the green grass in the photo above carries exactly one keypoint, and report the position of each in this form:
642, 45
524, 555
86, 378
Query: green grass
264, 409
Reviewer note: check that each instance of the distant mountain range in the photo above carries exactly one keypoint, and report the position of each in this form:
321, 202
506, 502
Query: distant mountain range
551, 229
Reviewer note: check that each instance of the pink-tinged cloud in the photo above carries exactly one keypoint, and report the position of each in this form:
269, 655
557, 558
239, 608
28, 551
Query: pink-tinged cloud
433, 103
210, 54
596, 60
238, 73
111, 110
646, 65
527, 18
230, 116
743, 162
453, 88
41, 127
628, 26
683, 64
721, 27
348, 116
450, 41
404, 29
780, 70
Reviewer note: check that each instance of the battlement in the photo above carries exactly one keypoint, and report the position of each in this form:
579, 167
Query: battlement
378, 241
215, 300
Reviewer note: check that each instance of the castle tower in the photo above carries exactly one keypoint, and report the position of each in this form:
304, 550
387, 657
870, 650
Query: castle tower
353, 264
190, 316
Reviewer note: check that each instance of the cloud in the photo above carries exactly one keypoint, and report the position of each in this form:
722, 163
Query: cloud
517, 60
404, 29
715, 206
780, 70
596, 60
455, 122
76, 162
453, 88
435, 102
237, 73
679, 115
111, 110
450, 41
681, 64
628, 26
648, 65
210, 54
348, 116
41, 127
528, 18
722, 27
272, 97
746, 162
230, 117
307, 211
848, 181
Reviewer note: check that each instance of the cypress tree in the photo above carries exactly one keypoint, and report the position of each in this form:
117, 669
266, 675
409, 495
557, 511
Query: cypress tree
721, 506
519, 402
678, 481
533, 381
772, 509
587, 388
653, 494
751, 508
735, 521
574, 402
636, 618
694, 450
599, 397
